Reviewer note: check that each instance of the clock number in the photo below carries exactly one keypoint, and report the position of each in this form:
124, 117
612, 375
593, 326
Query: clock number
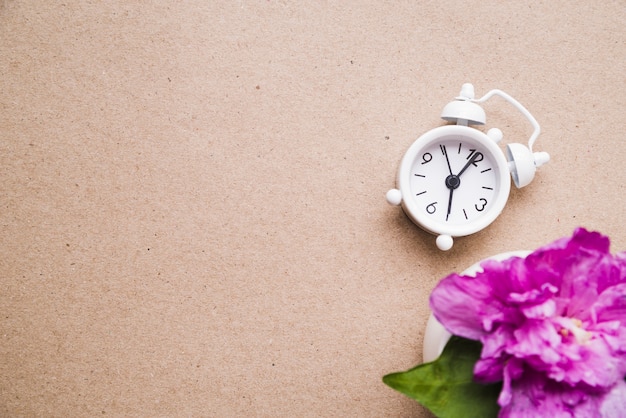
481, 206
431, 208
427, 157
477, 159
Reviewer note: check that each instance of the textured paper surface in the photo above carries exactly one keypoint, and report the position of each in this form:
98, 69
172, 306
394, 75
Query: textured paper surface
193, 218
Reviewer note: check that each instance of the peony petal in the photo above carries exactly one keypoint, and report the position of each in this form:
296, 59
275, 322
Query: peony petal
613, 272
489, 370
509, 276
495, 343
532, 296
613, 403
537, 342
598, 368
543, 310
512, 371
521, 391
458, 303
533, 395
611, 304
584, 280
566, 262
590, 240
586, 355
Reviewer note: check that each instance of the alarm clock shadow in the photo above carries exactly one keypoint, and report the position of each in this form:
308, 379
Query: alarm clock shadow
422, 243
524, 223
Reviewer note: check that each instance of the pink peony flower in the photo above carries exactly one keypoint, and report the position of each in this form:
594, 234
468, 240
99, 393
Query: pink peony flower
552, 325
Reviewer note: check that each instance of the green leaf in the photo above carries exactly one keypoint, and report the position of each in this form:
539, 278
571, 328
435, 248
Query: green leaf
446, 387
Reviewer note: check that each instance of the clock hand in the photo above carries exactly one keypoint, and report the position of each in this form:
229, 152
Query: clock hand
445, 153
454, 181
471, 161
450, 203
450, 177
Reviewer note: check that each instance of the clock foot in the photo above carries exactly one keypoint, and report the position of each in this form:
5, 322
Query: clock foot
444, 242
394, 197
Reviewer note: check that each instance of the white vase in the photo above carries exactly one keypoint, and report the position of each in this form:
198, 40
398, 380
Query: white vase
436, 336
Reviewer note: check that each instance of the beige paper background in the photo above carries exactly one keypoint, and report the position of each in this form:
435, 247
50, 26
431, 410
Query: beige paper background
192, 210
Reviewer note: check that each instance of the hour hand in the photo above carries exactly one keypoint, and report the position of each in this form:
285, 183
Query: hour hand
470, 162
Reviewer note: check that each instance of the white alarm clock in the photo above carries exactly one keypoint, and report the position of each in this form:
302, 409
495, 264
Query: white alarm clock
453, 180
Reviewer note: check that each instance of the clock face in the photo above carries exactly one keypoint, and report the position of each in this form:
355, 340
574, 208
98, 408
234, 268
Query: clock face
454, 180
443, 192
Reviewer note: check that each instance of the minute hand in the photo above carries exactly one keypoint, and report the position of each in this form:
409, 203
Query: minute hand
470, 162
